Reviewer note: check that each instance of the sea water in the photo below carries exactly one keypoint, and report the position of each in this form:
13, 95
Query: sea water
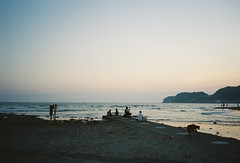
222, 122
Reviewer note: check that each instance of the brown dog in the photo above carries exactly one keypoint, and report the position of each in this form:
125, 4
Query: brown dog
192, 128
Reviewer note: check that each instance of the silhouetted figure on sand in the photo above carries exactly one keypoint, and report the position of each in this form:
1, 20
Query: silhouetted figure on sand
55, 111
51, 111
116, 113
109, 112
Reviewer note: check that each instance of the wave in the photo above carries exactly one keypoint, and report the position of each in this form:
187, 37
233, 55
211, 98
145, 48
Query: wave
216, 112
207, 109
11, 108
211, 113
71, 110
177, 112
118, 106
132, 105
156, 108
141, 105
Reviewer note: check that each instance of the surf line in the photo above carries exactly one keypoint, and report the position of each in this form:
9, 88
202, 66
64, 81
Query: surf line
101, 144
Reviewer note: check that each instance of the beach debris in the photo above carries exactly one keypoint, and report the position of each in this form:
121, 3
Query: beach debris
214, 122
219, 142
171, 137
217, 133
5, 117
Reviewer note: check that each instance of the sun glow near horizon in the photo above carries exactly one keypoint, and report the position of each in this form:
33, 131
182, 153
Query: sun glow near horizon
105, 46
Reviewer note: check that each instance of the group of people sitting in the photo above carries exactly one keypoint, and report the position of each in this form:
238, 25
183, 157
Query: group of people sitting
127, 114
110, 113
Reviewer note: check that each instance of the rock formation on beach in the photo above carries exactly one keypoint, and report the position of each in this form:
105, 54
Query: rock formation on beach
223, 95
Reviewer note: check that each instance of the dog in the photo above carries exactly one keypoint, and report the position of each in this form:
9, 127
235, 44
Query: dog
192, 128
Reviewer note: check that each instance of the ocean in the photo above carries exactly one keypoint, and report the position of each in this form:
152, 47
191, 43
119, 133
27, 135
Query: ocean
222, 122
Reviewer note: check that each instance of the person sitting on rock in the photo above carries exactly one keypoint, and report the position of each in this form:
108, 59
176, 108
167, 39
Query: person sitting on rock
109, 112
116, 113
127, 112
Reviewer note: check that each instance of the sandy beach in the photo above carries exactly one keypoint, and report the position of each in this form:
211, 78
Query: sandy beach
30, 139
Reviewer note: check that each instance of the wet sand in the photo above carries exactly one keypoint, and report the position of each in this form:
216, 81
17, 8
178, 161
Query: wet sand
214, 128
30, 139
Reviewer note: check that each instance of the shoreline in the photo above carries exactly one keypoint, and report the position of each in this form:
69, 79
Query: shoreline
214, 128
218, 129
28, 138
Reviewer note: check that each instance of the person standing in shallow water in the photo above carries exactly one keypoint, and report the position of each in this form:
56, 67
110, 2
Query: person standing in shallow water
55, 111
51, 111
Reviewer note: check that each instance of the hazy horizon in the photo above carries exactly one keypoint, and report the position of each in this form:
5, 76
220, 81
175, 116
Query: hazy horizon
116, 51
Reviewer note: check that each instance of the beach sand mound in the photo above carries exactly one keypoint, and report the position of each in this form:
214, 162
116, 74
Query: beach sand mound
29, 139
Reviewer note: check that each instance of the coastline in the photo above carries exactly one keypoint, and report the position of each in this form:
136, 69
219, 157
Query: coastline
28, 138
214, 128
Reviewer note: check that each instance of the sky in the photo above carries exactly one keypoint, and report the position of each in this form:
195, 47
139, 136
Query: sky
116, 50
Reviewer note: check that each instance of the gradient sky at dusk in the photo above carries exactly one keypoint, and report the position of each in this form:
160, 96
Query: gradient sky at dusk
117, 50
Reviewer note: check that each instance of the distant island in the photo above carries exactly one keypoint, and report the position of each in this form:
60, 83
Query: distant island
223, 95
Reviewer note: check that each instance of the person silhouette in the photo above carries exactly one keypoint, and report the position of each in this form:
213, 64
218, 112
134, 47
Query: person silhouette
51, 111
55, 111
116, 113
109, 112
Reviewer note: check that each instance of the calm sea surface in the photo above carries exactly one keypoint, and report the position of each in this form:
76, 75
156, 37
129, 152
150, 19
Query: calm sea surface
228, 121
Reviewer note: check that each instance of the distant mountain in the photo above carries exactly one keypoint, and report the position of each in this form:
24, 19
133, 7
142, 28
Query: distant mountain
223, 95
